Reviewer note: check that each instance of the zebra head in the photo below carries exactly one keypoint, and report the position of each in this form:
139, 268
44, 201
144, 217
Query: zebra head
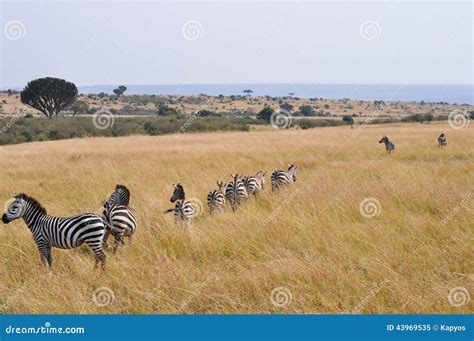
121, 196
442, 135
261, 178
292, 169
221, 186
178, 193
384, 140
18, 207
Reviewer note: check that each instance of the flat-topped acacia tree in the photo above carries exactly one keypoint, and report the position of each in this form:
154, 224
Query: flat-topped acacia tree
49, 95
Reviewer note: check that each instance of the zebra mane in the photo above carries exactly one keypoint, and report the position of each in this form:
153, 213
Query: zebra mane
122, 188
32, 201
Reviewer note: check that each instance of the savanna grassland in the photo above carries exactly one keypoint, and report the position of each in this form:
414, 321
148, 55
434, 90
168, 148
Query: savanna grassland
310, 239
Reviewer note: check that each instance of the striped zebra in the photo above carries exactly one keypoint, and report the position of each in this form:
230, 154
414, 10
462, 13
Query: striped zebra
389, 146
281, 178
183, 210
216, 199
119, 215
442, 141
63, 233
235, 191
121, 196
255, 183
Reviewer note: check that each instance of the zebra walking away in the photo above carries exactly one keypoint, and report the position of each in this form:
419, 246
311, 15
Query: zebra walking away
183, 210
63, 233
389, 146
216, 199
442, 141
119, 215
282, 178
236, 192
121, 196
254, 184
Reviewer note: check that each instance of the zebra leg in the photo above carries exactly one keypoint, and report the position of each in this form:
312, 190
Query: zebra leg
104, 239
98, 253
117, 241
45, 255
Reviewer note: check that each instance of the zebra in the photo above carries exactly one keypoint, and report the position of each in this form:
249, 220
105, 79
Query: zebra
119, 215
235, 191
389, 146
254, 184
216, 199
442, 141
63, 233
121, 196
281, 178
183, 210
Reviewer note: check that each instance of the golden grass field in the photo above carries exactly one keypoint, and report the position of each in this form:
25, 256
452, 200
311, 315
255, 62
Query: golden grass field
316, 244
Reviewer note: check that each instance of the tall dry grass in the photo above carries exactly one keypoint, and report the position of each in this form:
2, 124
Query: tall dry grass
316, 244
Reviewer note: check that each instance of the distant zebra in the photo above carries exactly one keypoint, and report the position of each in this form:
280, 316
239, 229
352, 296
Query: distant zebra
254, 184
183, 210
442, 141
119, 215
64, 233
236, 192
389, 146
282, 178
216, 199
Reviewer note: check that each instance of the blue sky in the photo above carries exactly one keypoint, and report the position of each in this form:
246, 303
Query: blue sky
161, 42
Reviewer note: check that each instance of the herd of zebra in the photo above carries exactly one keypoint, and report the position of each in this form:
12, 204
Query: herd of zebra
119, 219
390, 146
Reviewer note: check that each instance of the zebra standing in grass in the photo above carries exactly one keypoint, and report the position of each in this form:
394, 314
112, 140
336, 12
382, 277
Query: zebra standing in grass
235, 191
282, 178
216, 199
183, 210
119, 215
442, 141
254, 184
389, 146
63, 233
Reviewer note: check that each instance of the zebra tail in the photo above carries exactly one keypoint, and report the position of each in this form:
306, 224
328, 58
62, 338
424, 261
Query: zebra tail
115, 233
169, 210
